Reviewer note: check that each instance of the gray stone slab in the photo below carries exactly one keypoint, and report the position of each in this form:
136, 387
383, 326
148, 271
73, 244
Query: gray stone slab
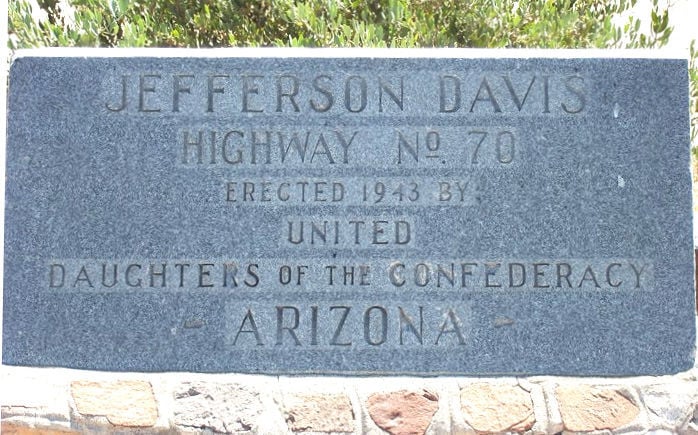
320, 212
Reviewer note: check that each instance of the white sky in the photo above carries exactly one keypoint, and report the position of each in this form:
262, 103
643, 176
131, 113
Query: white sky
683, 17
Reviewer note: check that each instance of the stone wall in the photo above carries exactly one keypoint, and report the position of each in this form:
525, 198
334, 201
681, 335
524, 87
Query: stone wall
59, 401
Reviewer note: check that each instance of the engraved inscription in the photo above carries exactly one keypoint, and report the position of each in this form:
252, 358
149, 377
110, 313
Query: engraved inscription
332, 212
413, 191
185, 274
348, 326
252, 147
475, 147
350, 232
518, 274
506, 93
257, 93
265, 274
346, 93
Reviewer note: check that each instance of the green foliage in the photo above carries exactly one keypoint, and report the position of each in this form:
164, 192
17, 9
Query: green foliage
693, 78
392, 23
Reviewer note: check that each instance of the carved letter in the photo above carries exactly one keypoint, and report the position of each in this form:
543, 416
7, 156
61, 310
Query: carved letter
588, 276
82, 277
518, 102
345, 144
299, 237
406, 321
338, 331
122, 106
442, 94
565, 275
522, 272
391, 94
248, 318
362, 95
226, 143
577, 91
280, 324
484, 85
451, 316
280, 92
128, 275
383, 326
395, 274
104, 275
539, 273
608, 275
324, 91
213, 89
144, 89
249, 87
52, 282
178, 88
637, 274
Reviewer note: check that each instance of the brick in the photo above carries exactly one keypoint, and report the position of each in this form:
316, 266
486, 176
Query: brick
15, 429
123, 403
670, 405
497, 408
319, 413
35, 394
403, 412
215, 407
587, 408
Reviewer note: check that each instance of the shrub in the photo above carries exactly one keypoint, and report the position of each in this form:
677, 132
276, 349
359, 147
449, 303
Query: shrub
392, 23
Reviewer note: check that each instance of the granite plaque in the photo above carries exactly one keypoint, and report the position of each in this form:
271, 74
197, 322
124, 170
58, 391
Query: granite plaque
360, 212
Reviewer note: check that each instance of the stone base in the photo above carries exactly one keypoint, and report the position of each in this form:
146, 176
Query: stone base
53, 401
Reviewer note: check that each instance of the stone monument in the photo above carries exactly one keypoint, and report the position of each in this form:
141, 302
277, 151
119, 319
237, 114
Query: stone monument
342, 212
